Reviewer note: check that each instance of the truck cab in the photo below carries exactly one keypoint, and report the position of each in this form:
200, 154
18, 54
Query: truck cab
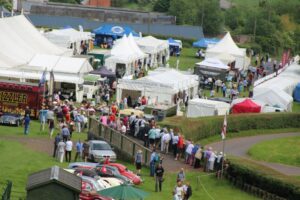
91, 85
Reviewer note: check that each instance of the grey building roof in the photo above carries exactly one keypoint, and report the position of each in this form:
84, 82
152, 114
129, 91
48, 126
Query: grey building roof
54, 174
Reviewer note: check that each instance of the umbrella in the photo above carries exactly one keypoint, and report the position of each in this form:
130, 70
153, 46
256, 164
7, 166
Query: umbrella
124, 192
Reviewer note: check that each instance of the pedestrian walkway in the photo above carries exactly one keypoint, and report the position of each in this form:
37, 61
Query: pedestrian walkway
240, 146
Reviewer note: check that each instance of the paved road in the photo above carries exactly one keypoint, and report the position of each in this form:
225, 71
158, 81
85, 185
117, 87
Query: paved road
240, 146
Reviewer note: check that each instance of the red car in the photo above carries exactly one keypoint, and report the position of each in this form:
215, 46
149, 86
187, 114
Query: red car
127, 173
86, 195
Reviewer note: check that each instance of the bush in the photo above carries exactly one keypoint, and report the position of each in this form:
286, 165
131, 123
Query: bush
243, 171
200, 128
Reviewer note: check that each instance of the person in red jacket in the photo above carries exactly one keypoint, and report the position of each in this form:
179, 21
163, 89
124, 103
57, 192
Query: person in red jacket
180, 146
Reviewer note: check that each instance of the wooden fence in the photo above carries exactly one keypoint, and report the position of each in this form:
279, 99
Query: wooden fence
124, 144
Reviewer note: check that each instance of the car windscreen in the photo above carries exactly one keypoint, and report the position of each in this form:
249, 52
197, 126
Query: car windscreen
101, 146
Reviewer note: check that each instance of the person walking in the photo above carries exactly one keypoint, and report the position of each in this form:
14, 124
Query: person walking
79, 148
65, 133
69, 147
138, 161
51, 127
56, 141
187, 191
178, 191
153, 160
159, 173
181, 175
166, 140
86, 150
175, 140
26, 124
61, 151
43, 118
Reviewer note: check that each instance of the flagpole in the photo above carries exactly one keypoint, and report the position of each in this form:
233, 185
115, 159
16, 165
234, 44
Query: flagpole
223, 158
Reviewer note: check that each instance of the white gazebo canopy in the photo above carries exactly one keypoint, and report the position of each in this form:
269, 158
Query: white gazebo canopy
213, 63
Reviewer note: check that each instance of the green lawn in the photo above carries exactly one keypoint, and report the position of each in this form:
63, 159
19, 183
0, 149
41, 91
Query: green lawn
187, 59
17, 162
282, 150
296, 107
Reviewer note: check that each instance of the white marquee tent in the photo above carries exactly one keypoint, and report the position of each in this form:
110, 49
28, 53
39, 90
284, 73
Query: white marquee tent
283, 85
67, 37
161, 86
213, 63
227, 45
20, 41
203, 107
126, 52
156, 48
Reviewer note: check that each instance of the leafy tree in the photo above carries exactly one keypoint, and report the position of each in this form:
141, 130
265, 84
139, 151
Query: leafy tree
183, 10
7, 4
234, 18
161, 5
210, 12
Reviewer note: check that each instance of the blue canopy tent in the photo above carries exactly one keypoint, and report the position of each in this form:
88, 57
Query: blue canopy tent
204, 42
106, 33
297, 93
172, 42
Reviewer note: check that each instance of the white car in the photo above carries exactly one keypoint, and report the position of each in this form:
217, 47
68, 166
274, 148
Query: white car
99, 150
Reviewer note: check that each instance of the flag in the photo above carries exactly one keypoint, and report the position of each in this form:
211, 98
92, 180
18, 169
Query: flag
224, 128
43, 79
51, 85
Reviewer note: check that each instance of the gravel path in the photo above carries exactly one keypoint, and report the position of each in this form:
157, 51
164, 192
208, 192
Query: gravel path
240, 146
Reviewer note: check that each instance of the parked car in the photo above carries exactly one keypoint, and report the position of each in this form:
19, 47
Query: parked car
86, 195
127, 173
90, 184
222, 99
88, 165
109, 172
11, 119
100, 150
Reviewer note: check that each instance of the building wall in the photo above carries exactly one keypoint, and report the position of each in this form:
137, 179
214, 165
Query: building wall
99, 3
101, 14
51, 191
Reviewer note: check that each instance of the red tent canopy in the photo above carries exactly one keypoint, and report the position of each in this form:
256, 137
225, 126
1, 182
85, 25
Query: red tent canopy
246, 106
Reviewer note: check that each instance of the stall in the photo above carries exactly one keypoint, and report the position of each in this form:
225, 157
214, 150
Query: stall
157, 50
211, 67
106, 34
245, 106
160, 87
204, 107
104, 72
227, 45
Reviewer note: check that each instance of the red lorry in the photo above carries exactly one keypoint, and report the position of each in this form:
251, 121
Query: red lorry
15, 96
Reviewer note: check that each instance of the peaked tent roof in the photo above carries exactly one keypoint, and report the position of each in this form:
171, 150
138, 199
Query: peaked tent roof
20, 41
226, 45
225, 57
150, 44
204, 42
173, 42
114, 30
104, 72
135, 47
213, 62
246, 106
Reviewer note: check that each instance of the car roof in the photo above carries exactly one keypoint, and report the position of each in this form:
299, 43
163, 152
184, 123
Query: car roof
98, 141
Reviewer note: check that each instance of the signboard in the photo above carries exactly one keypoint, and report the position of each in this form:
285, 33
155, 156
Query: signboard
15, 97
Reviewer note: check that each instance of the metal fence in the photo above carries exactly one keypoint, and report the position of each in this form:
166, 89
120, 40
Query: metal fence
189, 32
123, 143
7, 191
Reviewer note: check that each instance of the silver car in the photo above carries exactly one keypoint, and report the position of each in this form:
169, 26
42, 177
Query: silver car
100, 150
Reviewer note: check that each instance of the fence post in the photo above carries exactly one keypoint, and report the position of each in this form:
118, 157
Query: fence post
121, 145
110, 136
133, 149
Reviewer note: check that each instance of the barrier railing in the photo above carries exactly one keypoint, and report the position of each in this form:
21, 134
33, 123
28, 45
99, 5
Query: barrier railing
118, 140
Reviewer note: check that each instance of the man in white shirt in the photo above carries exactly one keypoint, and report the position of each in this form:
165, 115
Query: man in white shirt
165, 141
69, 146
188, 152
61, 151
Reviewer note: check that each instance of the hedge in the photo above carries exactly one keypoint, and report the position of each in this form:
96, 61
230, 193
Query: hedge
246, 172
200, 128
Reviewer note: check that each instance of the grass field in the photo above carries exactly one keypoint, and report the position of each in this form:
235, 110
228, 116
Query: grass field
283, 150
17, 162
187, 59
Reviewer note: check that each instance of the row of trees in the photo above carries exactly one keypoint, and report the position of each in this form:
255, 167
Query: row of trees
262, 20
